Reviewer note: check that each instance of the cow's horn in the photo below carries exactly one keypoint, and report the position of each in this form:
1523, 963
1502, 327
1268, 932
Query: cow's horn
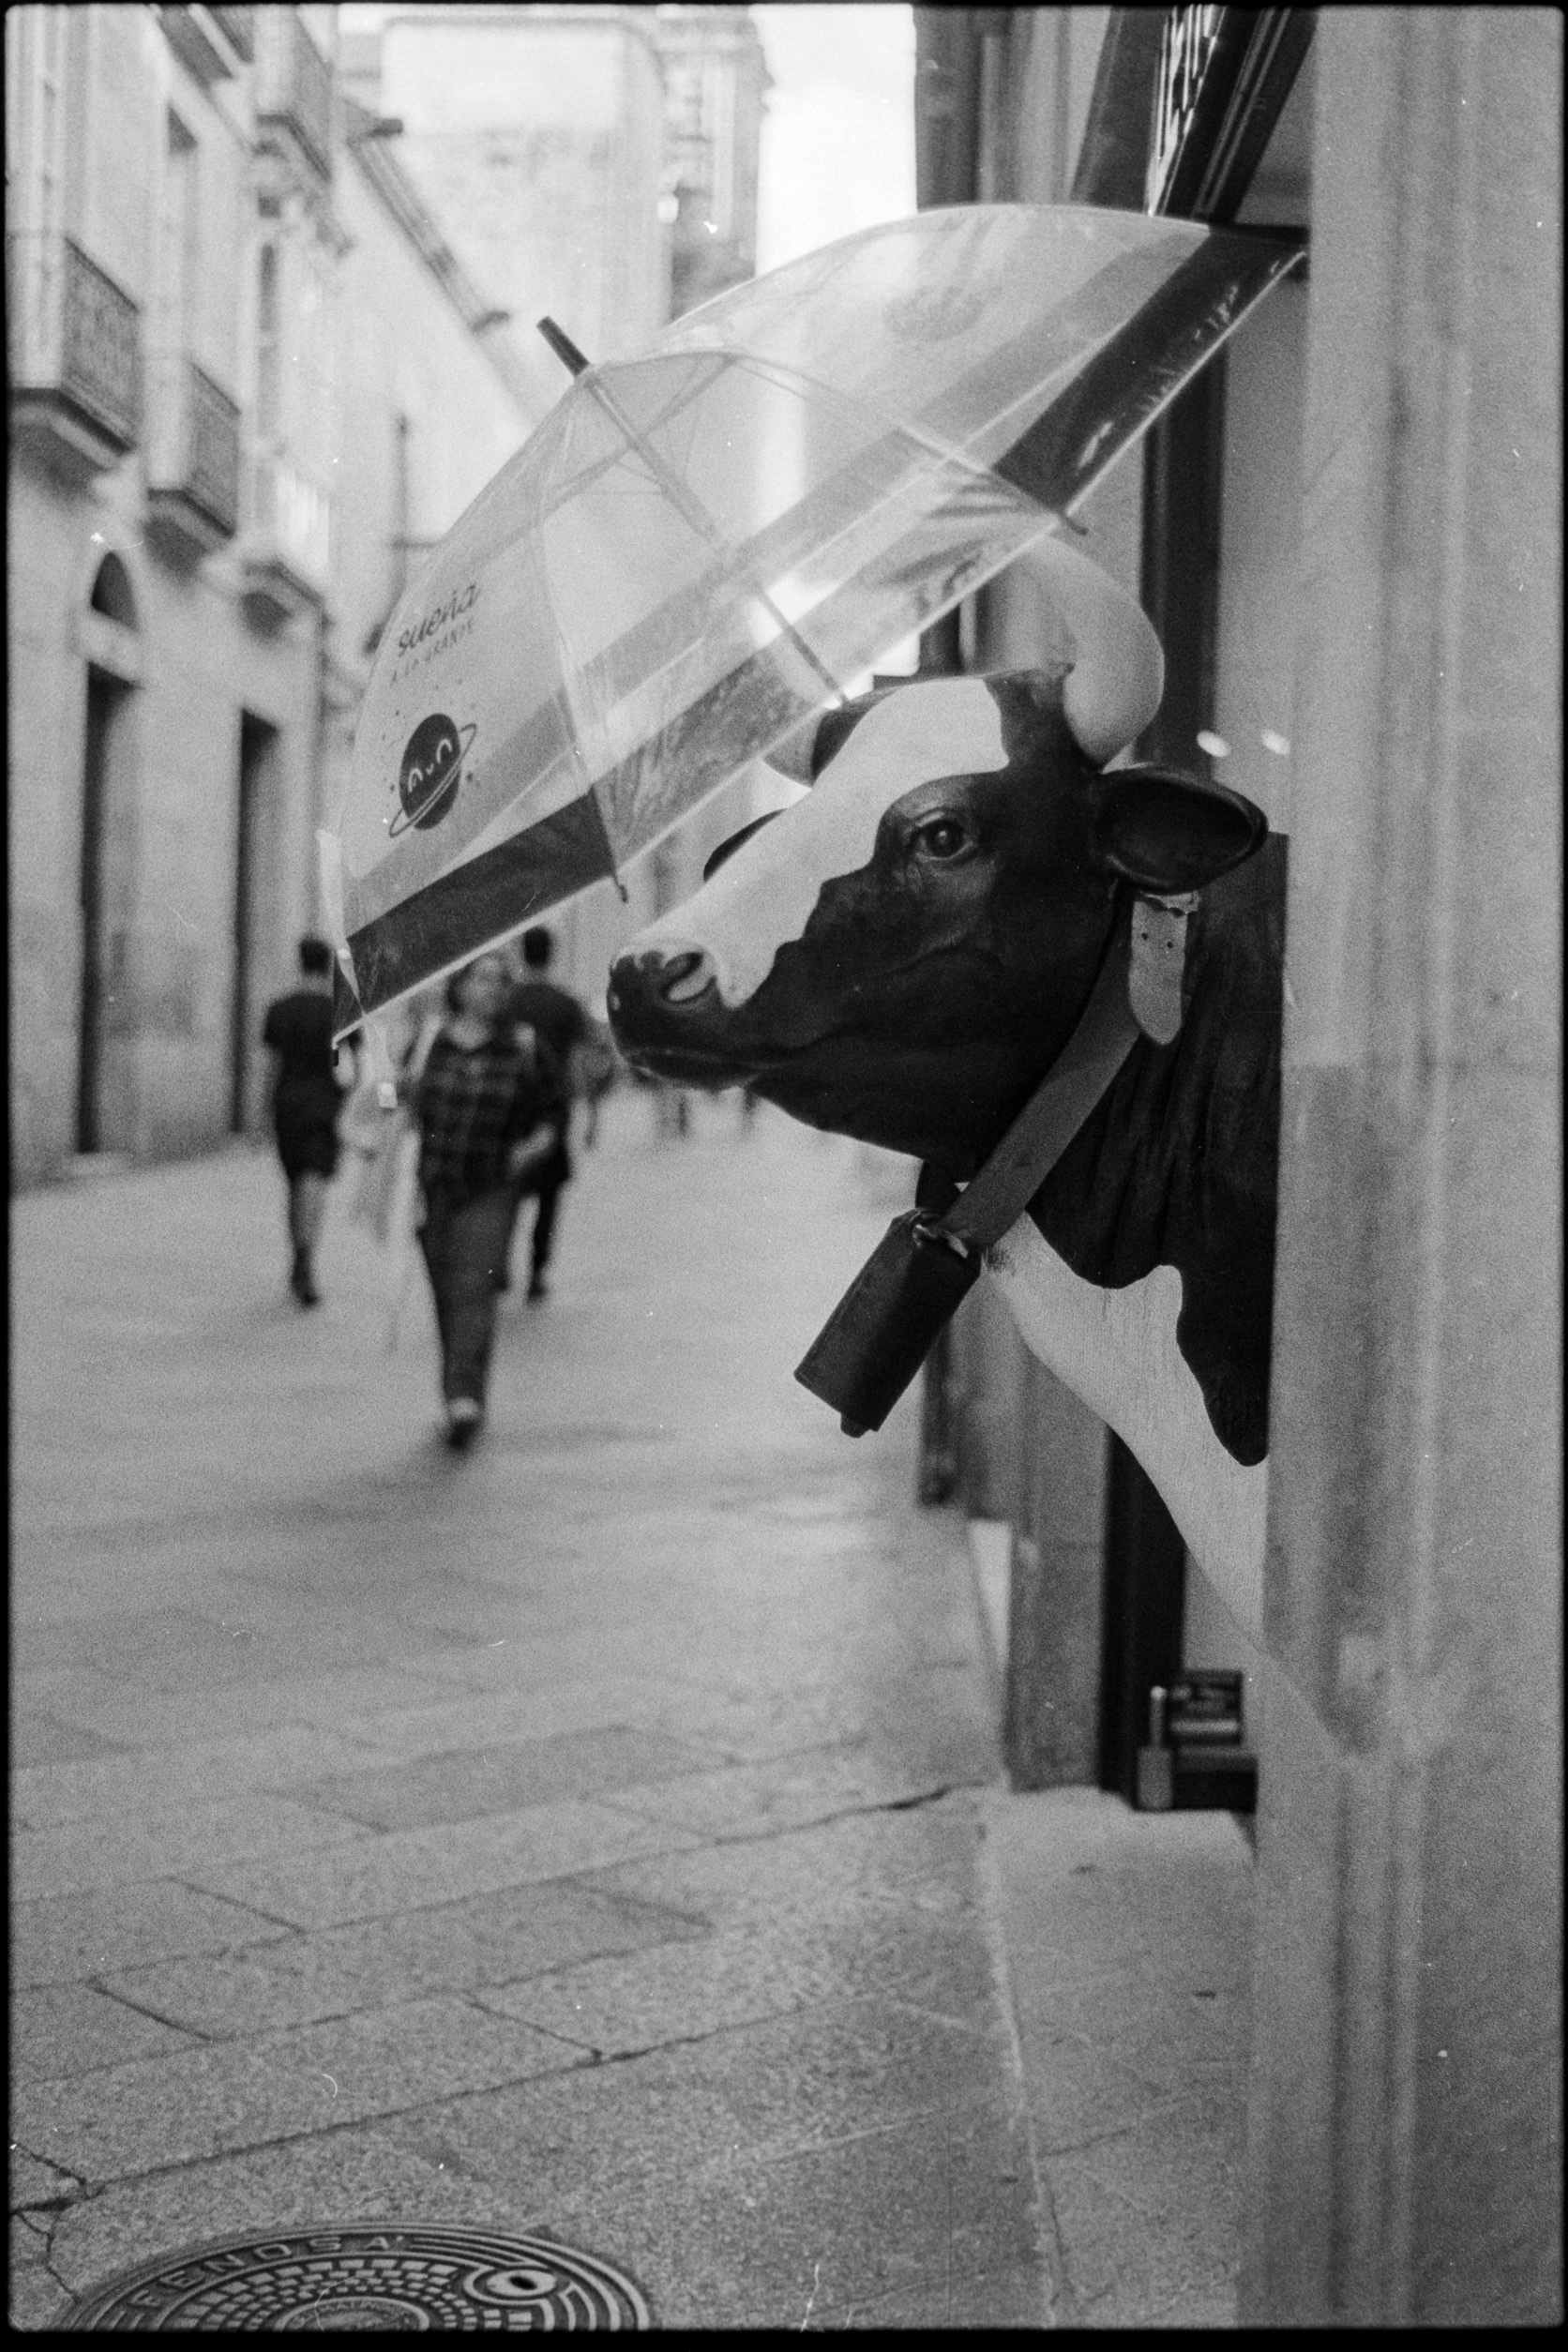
1103, 638
1117, 670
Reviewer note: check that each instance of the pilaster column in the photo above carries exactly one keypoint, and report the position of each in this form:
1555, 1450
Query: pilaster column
1404, 2140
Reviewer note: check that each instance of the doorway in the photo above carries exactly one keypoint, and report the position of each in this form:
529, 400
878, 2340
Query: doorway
255, 819
104, 1093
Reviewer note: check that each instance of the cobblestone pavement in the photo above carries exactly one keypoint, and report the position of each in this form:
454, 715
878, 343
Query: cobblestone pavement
599, 1835
583, 1836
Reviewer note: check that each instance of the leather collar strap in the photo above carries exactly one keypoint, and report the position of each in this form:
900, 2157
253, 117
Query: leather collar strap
1107, 1031
874, 1342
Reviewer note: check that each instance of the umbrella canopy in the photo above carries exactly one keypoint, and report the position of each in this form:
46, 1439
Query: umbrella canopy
700, 547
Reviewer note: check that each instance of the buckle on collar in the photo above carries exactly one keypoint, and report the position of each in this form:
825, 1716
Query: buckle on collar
1157, 961
927, 1229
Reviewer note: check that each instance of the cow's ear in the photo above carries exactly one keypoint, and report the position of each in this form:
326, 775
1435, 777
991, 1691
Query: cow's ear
1168, 832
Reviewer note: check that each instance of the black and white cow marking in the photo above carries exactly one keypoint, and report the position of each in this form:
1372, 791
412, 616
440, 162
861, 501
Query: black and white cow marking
901, 955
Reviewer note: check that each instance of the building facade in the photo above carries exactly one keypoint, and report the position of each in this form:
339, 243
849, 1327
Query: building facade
135, 507
249, 384
1349, 533
716, 83
597, 165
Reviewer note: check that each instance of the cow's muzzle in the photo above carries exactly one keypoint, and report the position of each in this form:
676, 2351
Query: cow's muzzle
656, 1002
656, 983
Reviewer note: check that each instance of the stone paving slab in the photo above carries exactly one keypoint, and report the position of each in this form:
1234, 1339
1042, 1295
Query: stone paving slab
618, 2005
57, 1939
755, 1726
164, 1844
484, 1719
907, 1861
1127, 2266
35, 2297
37, 1738
147, 1717
806, 2232
1004, 2295
489, 1939
748, 2092
1128, 1958
44, 1796
462, 1783
374, 1877
655, 1746
140, 2118
33, 2184
789, 1792
63, 2029
776, 2202
1173, 2036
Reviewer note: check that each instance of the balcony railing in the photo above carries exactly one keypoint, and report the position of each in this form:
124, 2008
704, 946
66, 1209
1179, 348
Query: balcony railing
287, 548
214, 450
192, 457
294, 89
76, 352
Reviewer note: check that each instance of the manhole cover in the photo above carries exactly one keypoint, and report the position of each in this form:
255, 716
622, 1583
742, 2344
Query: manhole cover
369, 2274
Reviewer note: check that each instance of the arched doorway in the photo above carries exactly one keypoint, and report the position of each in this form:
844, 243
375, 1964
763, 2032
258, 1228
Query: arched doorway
105, 1096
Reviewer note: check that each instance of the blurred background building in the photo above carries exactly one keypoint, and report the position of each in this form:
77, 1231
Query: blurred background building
271, 288
596, 165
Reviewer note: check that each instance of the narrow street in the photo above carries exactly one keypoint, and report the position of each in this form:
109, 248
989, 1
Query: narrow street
468, 468
579, 1835
598, 1835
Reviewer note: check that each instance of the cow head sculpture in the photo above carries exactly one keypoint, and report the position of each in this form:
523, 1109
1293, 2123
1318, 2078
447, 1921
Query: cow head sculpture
901, 954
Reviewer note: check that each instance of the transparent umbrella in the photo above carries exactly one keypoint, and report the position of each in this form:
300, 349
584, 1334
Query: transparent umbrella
701, 546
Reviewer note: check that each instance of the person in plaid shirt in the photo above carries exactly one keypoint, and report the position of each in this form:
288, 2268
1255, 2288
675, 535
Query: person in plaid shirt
486, 1102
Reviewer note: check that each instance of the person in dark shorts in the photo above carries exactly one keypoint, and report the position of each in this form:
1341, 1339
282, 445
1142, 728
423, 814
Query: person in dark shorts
305, 1101
483, 1103
555, 1014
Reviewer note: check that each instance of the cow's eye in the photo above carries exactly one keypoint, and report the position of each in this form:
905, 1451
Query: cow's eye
942, 837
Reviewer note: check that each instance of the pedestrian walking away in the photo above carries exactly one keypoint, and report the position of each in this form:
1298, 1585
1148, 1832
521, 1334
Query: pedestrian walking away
484, 1105
557, 1019
307, 1097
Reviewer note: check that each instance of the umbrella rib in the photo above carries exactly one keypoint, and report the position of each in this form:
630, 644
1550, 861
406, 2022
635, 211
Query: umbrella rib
690, 508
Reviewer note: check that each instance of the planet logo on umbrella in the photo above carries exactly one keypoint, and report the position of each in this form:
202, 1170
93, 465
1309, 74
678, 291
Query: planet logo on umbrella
430, 772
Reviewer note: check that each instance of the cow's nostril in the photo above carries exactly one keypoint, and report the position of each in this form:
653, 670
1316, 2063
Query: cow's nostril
686, 977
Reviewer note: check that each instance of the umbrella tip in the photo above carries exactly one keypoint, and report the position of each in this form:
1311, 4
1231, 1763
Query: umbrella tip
562, 345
